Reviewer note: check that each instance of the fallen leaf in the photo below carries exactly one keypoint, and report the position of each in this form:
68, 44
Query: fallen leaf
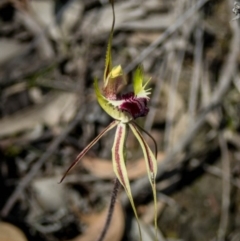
9, 232
49, 200
96, 223
55, 108
9, 49
148, 211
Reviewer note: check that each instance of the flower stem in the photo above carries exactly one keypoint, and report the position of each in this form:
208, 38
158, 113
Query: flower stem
110, 209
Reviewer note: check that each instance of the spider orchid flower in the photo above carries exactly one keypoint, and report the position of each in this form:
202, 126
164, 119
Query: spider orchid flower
124, 109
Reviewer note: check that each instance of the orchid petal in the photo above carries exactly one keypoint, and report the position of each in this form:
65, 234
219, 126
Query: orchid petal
119, 164
151, 164
111, 106
139, 88
116, 72
87, 148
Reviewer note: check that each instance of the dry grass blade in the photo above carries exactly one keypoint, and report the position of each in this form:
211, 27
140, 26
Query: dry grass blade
196, 73
155, 97
172, 100
95, 226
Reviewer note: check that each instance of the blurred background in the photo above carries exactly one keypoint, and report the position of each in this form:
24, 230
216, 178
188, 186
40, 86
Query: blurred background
50, 52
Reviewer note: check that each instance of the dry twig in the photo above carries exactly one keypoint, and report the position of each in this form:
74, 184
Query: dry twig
196, 73
172, 99
222, 230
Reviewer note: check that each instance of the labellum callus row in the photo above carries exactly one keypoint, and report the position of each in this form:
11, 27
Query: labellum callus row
136, 107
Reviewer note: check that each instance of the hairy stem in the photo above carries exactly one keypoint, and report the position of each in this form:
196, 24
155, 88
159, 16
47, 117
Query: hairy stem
110, 209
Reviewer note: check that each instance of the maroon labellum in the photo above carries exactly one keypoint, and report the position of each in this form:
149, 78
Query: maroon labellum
135, 106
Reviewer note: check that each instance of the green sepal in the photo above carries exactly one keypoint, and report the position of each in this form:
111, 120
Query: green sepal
151, 164
138, 85
110, 107
87, 148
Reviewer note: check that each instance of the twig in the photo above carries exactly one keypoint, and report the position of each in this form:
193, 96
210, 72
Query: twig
155, 97
236, 82
222, 230
216, 171
173, 28
205, 86
196, 73
212, 118
36, 167
172, 99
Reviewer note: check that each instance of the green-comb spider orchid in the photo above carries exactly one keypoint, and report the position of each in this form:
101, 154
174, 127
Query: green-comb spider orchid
124, 109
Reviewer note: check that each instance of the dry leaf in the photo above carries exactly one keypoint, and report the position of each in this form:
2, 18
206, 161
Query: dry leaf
9, 49
148, 211
96, 223
49, 200
56, 107
9, 232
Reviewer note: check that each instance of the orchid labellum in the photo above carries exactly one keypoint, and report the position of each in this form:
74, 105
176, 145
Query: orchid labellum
124, 109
